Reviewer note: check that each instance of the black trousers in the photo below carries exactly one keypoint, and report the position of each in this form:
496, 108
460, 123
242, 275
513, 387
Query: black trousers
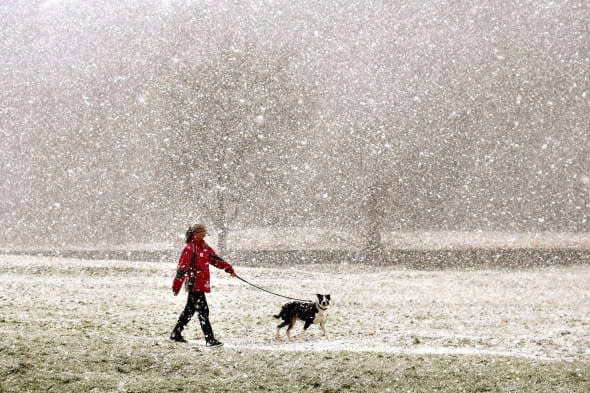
196, 302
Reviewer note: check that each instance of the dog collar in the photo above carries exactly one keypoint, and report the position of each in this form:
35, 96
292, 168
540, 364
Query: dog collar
322, 308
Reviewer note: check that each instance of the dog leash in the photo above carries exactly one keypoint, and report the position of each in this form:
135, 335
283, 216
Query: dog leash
276, 294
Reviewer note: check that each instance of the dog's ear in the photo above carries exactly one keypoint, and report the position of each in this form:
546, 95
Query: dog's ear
319, 296
328, 297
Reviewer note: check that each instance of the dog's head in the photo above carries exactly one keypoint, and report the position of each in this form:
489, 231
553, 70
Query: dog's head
323, 300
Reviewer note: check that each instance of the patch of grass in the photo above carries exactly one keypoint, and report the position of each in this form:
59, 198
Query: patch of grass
145, 367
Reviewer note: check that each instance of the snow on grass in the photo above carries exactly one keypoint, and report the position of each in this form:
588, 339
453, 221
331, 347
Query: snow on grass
113, 318
541, 312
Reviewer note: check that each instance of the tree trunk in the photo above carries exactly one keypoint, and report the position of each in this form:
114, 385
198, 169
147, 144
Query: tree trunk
222, 241
373, 247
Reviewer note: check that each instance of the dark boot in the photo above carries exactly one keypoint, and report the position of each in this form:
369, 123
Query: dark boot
214, 343
177, 335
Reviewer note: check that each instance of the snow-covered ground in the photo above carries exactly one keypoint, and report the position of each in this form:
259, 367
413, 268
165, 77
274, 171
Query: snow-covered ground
541, 313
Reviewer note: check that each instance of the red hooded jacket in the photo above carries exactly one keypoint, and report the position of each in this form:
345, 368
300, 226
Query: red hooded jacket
197, 273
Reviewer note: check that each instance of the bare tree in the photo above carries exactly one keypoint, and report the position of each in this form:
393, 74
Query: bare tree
233, 120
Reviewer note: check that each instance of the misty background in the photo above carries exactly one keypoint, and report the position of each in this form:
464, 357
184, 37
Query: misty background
126, 121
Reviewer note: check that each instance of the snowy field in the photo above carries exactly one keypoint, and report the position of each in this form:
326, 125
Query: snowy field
73, 325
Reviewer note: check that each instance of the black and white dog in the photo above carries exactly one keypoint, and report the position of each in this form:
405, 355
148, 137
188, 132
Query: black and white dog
309, 313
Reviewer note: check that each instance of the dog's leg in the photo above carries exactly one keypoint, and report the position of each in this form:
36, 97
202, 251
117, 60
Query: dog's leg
279, 327
324, 330
289, 333
304, 332
291, 325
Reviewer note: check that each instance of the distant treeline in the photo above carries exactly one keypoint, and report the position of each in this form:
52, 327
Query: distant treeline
417, 259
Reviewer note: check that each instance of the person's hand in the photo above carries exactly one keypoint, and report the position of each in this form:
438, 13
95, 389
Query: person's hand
233, 273
176, 285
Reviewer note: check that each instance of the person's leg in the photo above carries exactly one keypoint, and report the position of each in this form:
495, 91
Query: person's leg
203, 310
185, 317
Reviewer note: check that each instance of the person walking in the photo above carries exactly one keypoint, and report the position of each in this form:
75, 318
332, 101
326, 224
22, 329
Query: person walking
193, 271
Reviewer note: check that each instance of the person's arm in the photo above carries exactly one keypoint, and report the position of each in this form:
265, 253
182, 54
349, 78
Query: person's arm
181, 270
220, 263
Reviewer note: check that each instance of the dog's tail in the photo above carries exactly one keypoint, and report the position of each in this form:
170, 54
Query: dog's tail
277, 316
